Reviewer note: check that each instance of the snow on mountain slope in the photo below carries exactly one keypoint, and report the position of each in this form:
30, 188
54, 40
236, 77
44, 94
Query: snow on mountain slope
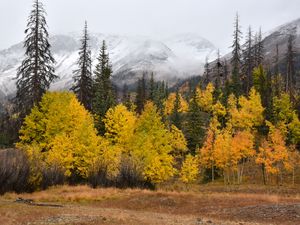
177, 57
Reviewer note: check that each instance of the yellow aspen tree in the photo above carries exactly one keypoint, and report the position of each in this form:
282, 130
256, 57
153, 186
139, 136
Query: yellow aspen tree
119, 125
273, 153
242, 148
151, 146
189, 170
62, 132
246, 113
178, 141
169, 104
207, 152
205, 98
223, 155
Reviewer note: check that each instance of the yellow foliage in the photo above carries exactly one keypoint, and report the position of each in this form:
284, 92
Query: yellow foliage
273, 153
119, 125
247, 112
204, 98
62, 132
179, 144
151, 146
189, 170
169, 104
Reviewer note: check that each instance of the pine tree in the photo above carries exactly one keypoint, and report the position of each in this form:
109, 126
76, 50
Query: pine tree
195, 127
236, 58
36, 72
104, 97
152, 88
247, 66
206, 71
141, 94
126, 98
83, 81
175, 116
258, 49
290, 79
219, 74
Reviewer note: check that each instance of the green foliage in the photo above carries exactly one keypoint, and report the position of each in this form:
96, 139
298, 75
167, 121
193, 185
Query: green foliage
104, 97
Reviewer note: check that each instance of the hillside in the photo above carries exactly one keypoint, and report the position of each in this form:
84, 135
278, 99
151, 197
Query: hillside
170, 59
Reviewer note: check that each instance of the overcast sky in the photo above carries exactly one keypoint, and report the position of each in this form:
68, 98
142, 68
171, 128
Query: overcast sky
212, 19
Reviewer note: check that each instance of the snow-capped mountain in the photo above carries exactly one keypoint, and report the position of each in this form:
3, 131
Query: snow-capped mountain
170, 59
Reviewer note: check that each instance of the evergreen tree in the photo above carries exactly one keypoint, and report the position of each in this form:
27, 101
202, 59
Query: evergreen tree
36, 72
104, 97
276, 61
290, 79
217, 91
258, 49
247, 66
236, 58
175, 116
206, 71
141, 94
151, 88
126, 98
83, 81
195, 127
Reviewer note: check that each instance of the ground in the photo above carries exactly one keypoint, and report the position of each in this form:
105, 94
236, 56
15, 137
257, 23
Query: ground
210, 205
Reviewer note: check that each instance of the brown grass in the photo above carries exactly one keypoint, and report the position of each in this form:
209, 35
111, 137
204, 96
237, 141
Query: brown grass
209, 201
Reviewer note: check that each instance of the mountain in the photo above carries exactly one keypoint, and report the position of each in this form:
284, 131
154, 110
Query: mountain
170, 59
278, 36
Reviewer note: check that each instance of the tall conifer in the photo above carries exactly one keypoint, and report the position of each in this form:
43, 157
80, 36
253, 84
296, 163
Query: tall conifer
36, 72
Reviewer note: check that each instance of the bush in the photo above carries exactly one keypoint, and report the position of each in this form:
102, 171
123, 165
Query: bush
14, 171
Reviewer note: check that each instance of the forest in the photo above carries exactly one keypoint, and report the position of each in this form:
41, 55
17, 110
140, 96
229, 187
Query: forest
239, 124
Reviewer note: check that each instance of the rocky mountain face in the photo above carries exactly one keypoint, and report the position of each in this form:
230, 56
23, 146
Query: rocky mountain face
170, 59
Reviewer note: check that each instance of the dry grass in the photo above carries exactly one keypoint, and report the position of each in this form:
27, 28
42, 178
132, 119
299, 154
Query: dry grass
135, 206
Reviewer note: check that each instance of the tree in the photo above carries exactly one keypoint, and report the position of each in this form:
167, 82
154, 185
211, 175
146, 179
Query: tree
236, 58
263, 85
36, 72
59, 131
119, 125
247, 63
152, 88
258, 49
103, 91
83, 81
195, 127
273, 153
189, 170
290, 77
141, 96
151, 146
174, 106
249, 114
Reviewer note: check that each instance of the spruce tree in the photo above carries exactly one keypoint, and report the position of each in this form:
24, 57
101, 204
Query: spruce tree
195, 126
36, 72
83, 81
248, 64
259, 49
175, 116
141, 96
290, 78
152, 88
104, 97
219, 74
236, 58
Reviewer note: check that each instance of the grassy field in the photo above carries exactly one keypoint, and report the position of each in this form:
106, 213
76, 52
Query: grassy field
210, 204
